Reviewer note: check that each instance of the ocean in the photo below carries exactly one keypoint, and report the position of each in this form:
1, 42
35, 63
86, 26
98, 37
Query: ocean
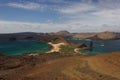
100, 46
20, 47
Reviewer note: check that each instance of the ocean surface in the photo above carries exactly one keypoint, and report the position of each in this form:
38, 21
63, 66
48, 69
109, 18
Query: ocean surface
100, 46
22, 46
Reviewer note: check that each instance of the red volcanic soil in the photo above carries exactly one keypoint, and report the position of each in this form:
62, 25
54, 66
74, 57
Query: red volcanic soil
59, 67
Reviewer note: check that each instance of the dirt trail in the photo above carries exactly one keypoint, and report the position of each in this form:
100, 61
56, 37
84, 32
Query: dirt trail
99, 67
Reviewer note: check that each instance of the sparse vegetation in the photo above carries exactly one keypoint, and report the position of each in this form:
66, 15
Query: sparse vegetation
60, 67
67, 49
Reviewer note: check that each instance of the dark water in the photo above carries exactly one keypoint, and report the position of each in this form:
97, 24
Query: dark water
22, 46
100, 46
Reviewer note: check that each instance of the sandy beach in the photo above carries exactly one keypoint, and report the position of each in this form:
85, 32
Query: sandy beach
33, 54
56, 47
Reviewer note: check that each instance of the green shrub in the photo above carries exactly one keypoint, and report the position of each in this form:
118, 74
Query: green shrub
66, 49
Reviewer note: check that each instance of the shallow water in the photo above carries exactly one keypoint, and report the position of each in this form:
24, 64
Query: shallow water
23, 46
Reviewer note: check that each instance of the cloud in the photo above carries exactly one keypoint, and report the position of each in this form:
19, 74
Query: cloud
91, 12
76, 8
14, 26
57, 1
75, 16
111, 13
29, 6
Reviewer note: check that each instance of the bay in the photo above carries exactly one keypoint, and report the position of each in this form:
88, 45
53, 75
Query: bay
20, 47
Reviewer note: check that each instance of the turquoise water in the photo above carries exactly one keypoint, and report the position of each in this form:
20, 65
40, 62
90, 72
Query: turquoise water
100, 46
28, 46
22, 46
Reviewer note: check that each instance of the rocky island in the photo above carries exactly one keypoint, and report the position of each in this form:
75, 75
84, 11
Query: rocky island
28, 35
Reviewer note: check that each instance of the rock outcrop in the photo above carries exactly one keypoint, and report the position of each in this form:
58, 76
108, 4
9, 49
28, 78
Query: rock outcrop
59, 39
63, 33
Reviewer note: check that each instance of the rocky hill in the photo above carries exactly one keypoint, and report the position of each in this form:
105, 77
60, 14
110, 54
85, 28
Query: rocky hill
61, 67
107, 35
30, 35
102, 35
63, 33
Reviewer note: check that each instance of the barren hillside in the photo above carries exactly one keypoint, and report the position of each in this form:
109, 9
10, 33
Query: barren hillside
97, 67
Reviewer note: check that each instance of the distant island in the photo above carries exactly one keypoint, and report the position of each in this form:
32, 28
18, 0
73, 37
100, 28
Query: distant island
31, 35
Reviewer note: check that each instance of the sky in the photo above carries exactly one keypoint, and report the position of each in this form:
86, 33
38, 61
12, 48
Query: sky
56, 15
